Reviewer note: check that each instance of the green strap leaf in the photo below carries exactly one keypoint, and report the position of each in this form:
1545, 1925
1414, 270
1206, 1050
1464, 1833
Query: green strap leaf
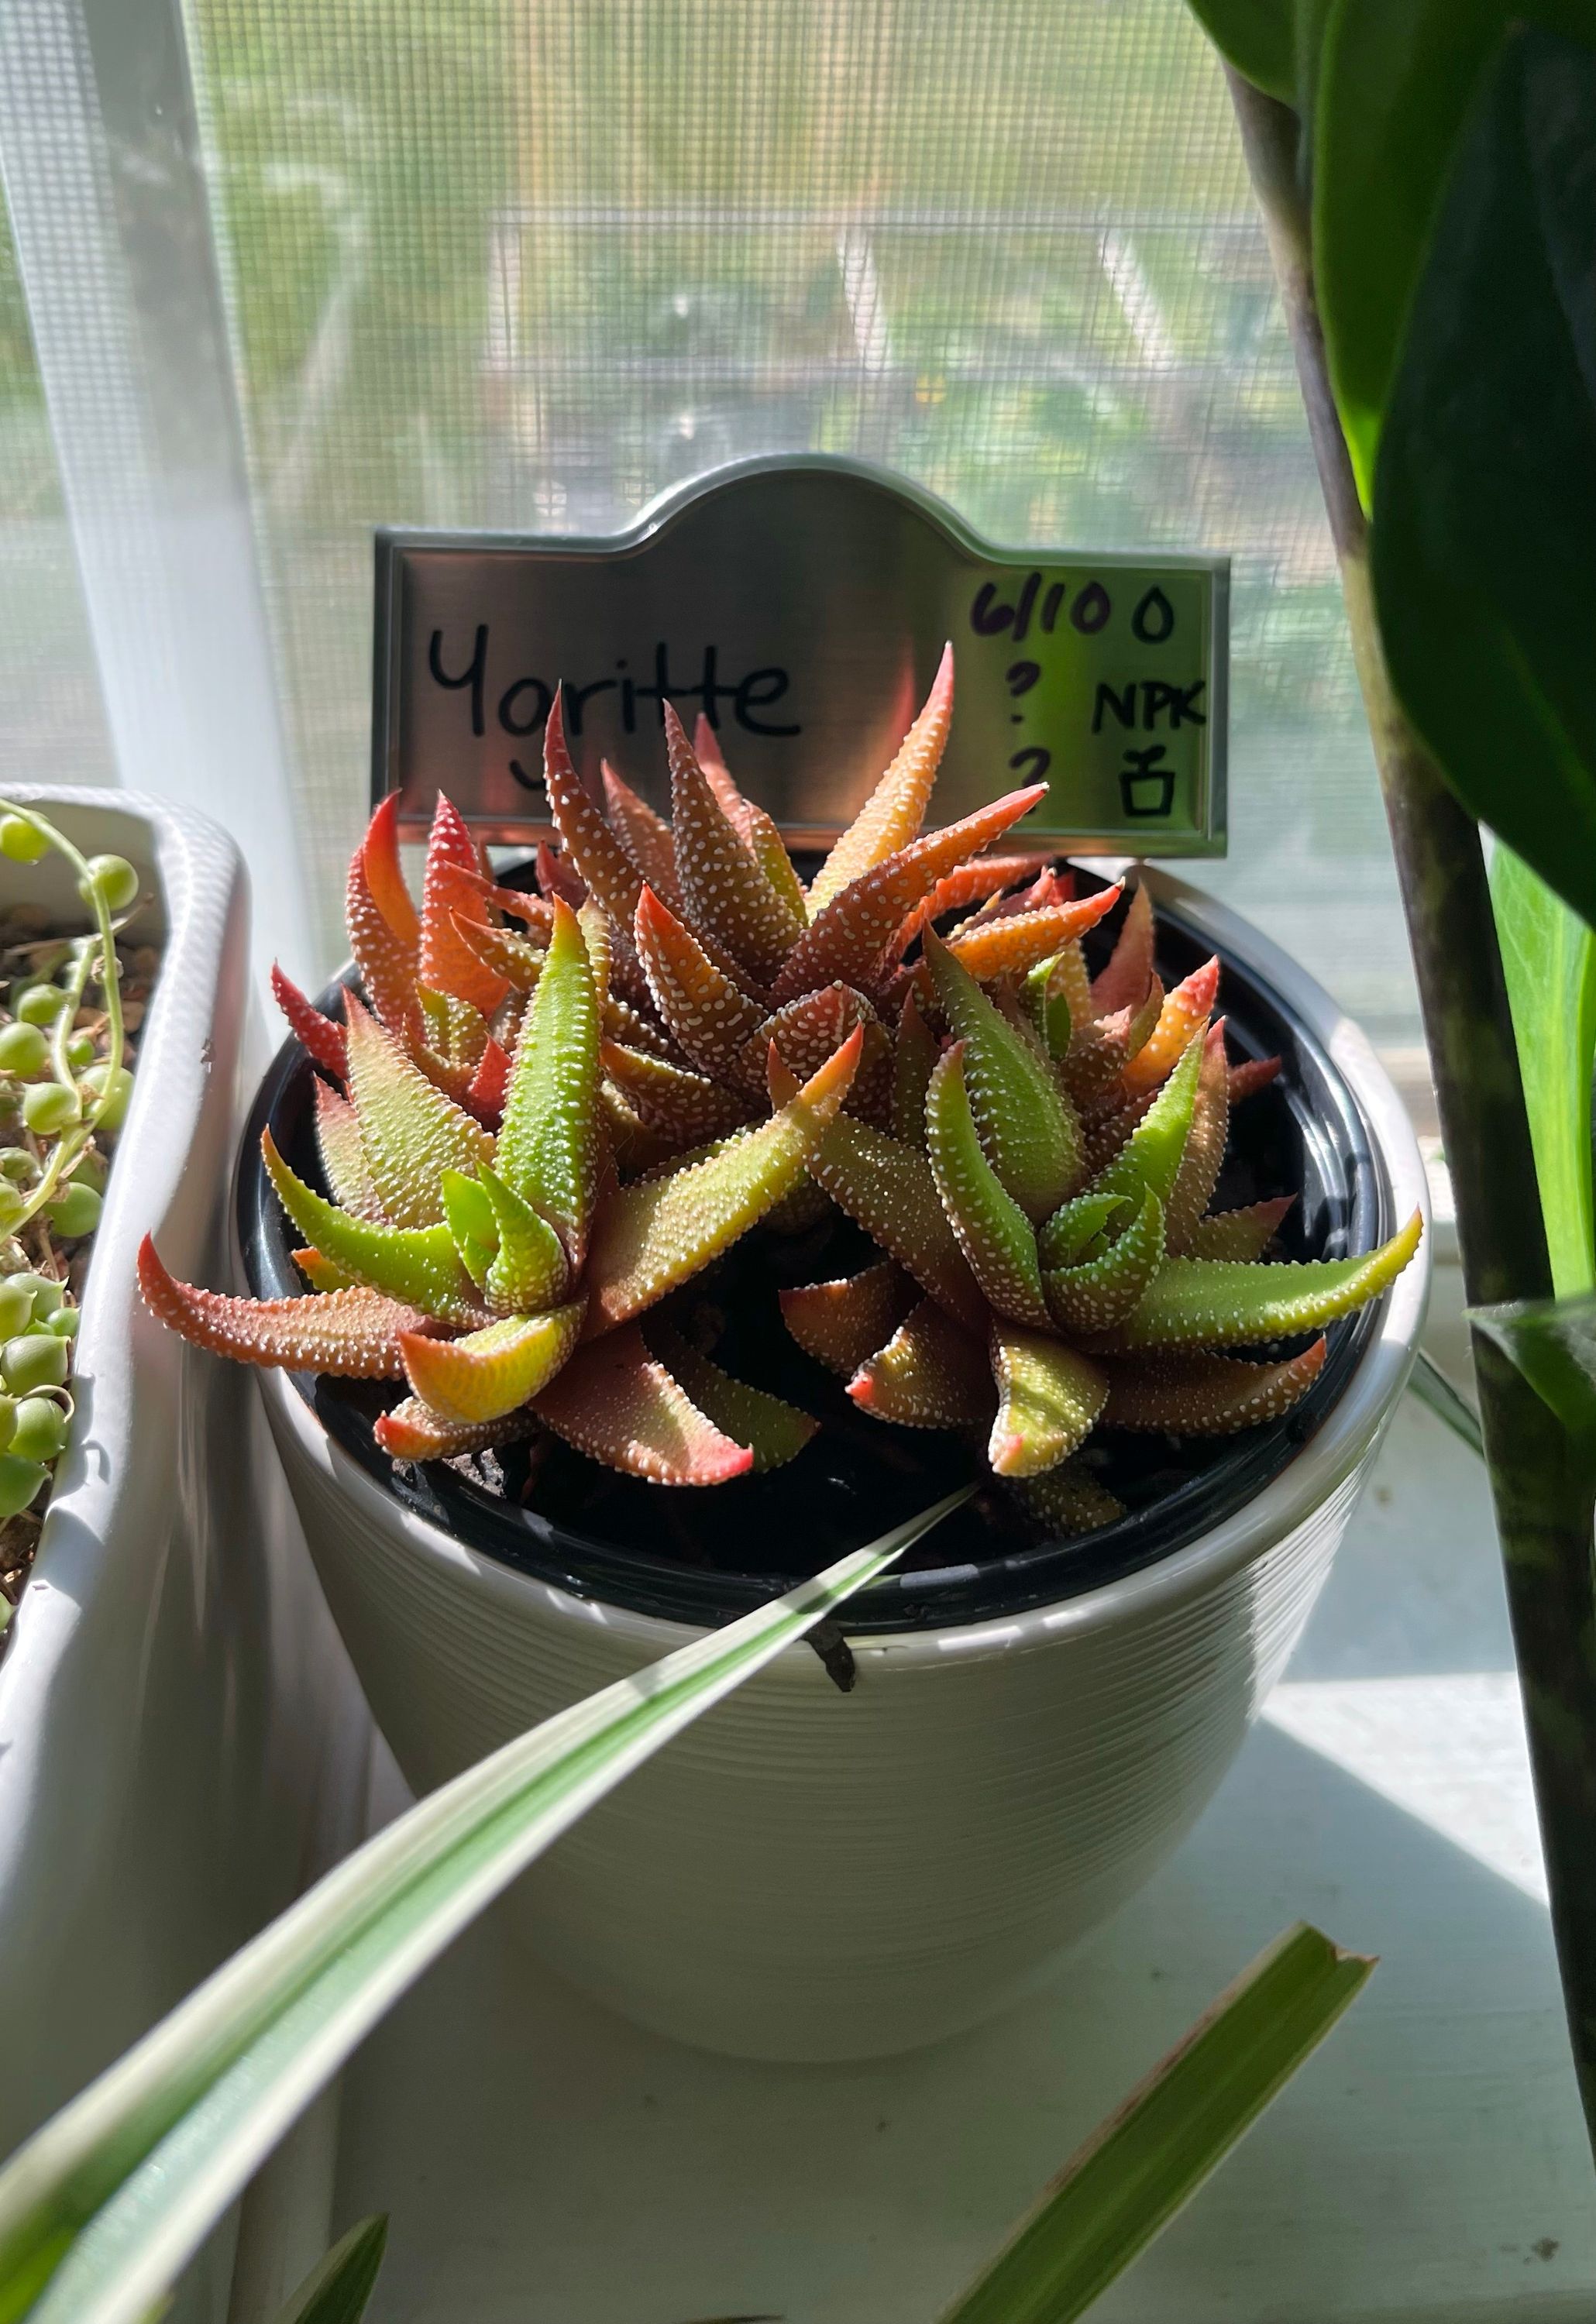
338, 2288
994, 1232
101, 2209
1144, 2165
1549, 962
1485, 585
1028, 1125
549, 1145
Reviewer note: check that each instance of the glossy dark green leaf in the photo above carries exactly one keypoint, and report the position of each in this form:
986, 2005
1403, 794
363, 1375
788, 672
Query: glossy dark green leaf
1485, 489
1256, 36
1553, 1342
1549, 960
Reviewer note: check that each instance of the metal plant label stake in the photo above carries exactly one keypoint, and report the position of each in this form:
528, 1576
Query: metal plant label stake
801, 605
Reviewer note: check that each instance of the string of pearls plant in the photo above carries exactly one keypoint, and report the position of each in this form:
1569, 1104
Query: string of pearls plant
64, 1091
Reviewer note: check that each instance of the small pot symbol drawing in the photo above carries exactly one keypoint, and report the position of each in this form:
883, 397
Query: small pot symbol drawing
1146, 787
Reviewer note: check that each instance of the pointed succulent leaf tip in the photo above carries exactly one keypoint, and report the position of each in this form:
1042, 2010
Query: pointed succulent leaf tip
353, 1334
486, 1374
409, 1132
320, 1273
1048, 1398
685, 1107
804, 1033
1218, 1302
449, 885
994, 1234
1201, 1163
841, 1322
1075, 1230
892, 814
1100, 1050
343, 1157
652, 1236
770, 853
1057, 995
1151, 1157
1207, 1395
1096, 1293
915, 1056
387, 967
418, 1266
1123, 984
711, 759
931, 1374
516, 961
849, 937
533, 912
489, 1085
710, 1017
1185, 1011
723, 890
774, 1432
548, 1151
527, 1271
595, 855
469, 1216
971, 884
1245, 1233
888, 1190
644, 834
412, 1430
321, 1039
1254, 1074
385, 874
618, 1404
1014, 943
559, 880
1068, 1500
1028, 1126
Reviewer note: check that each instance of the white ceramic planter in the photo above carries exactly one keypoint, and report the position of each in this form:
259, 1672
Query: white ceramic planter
806, 1875
158, 1703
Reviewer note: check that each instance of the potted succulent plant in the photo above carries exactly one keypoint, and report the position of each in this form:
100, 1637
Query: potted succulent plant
147, 1615
621, 1173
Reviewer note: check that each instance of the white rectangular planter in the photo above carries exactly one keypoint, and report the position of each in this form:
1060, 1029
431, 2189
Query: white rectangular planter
171, 1669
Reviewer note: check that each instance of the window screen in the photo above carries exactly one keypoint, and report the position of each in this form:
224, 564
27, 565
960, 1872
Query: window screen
525, 262
52, 727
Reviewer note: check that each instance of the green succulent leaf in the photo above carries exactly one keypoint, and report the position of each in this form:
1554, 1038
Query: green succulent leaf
485, 1374
1028, 1125
548, 1152
1220, 1302
1096, 1293
411, 1133
914, 1055
994, 1232
528, 1269
1150, 1161
1074, 1230
888, 1190
418, 1265
469, 1217
773, 1431
652, 1236
1048, 1398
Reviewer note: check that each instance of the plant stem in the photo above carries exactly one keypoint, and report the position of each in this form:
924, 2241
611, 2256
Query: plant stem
1542, 1479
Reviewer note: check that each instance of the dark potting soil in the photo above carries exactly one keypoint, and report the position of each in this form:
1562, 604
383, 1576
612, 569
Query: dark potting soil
707, 1554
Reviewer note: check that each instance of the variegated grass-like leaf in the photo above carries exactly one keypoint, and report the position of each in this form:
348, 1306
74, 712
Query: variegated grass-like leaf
100, 2210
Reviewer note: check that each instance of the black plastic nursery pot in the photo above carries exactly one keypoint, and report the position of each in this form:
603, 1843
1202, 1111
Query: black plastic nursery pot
702, 1557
